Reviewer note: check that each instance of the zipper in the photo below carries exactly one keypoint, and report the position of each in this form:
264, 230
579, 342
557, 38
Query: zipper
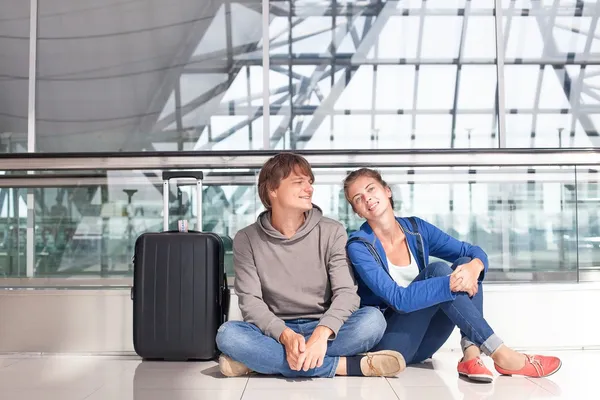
374, 253
421, 241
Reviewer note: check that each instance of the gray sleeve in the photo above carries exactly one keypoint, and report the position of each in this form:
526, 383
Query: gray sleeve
249, 290
345, 299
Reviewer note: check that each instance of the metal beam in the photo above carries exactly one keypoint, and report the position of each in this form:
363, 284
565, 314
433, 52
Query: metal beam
290, 43
199, 101
501, 44
582, 73
327, 106
463, 34
319, 158
572, 93
370, 9
305, 87
547, 37
413, 122
234, 109
265, 63
31, 136
259, 113
173, 72
323, 176
349, 59
196, 64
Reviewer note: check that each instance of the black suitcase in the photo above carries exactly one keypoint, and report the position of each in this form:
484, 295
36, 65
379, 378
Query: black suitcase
179, 293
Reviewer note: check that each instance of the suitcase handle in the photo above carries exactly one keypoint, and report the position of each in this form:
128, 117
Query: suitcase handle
224, 298
198, 175
167, 176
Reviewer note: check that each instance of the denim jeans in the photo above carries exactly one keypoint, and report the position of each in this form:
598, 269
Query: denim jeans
419, 334
245, 343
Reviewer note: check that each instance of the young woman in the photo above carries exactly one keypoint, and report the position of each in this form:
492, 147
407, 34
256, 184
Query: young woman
423, 302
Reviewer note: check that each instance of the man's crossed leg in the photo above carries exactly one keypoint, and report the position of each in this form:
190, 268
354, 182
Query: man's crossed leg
247, 349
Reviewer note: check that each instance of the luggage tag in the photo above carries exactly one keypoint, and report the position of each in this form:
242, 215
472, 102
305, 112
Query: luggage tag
182, 225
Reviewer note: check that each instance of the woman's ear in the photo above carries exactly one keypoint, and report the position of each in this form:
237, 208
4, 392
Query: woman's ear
356, 212
388, 192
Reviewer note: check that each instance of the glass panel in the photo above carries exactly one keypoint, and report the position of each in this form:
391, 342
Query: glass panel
13, 232
14, 75
552, 93
534, 223
142, 76
88, 230
588, 206
383, 75
524, 219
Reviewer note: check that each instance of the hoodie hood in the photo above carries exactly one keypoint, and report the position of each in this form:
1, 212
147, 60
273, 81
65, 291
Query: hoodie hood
313, 217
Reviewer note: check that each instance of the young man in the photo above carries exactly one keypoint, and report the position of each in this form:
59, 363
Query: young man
296, 291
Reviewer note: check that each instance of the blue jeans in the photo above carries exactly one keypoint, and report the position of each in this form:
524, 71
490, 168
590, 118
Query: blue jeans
245, 343
419, 334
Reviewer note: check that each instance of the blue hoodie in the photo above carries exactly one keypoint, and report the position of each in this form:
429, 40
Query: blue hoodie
375, 285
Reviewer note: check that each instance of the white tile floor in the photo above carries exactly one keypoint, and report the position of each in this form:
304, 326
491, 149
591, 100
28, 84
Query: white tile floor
26, 377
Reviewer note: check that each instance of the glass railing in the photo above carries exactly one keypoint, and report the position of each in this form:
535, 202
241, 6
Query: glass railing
86, 225
537, 223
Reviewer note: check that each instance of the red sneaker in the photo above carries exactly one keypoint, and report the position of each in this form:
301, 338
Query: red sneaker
475, 370
535, 367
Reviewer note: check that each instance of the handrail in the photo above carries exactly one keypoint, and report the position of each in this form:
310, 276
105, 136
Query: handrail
317, 158
53, 179
322, 175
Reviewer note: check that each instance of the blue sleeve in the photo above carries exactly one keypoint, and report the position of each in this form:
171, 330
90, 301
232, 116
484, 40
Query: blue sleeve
416, 296
444, 246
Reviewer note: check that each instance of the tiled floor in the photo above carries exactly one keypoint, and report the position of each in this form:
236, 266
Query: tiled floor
26, 377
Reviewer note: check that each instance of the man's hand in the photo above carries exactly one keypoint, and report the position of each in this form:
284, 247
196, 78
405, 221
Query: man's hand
295, 346
465, 277
316, 347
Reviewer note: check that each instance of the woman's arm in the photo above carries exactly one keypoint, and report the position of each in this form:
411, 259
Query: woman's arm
444, 246
416, 296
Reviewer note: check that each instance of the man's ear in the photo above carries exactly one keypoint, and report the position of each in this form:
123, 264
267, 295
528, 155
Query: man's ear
273, 194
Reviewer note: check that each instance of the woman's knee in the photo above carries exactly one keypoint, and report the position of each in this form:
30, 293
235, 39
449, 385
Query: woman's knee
461, 261
371, 325
438, 268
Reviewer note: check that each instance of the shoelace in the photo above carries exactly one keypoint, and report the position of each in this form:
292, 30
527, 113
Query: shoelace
372, 367
539, 368
480, 363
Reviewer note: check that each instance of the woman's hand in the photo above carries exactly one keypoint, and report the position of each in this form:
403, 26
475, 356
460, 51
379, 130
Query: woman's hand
465, 277
456, 284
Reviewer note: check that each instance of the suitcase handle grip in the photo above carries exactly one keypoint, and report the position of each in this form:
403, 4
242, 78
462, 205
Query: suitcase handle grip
198, 175
167, 176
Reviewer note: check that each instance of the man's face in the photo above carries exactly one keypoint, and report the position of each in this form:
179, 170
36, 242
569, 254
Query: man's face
294, 192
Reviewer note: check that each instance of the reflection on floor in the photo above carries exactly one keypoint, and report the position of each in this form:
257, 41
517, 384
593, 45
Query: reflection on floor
31, 377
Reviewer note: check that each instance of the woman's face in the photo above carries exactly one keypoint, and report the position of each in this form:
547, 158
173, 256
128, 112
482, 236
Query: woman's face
369, 198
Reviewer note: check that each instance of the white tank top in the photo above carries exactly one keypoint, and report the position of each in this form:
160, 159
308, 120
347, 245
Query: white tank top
404, 275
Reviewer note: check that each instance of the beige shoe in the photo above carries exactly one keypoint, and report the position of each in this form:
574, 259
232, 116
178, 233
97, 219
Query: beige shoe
229, 367
382, 363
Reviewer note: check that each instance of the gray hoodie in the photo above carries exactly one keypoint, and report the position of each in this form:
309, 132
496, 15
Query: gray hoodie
305, 276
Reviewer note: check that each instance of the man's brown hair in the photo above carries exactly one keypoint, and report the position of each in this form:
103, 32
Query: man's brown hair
278, 168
